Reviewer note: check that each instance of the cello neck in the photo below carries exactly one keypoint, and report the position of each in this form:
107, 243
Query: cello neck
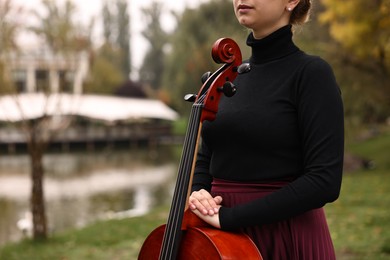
173, 231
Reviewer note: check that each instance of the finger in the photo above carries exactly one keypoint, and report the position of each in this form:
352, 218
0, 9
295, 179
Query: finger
218, 201
200, 204
210, 203
202, 201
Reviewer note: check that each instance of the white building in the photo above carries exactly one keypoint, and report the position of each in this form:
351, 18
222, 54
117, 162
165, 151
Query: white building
39, 70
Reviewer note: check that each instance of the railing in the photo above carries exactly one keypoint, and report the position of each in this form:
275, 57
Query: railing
93, 134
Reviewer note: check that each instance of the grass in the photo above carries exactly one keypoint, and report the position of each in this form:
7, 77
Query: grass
113, 239
359, 221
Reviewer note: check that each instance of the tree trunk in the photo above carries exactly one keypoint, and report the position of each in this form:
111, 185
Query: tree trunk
37, 193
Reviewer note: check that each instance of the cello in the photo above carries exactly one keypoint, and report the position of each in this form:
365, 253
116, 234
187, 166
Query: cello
185, 236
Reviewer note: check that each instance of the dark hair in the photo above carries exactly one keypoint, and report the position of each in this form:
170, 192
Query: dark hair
301, 12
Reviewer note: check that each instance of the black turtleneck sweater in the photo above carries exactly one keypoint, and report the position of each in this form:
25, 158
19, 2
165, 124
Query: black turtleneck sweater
284, 123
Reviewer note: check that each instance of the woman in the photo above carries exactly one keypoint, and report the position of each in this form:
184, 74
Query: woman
273, 157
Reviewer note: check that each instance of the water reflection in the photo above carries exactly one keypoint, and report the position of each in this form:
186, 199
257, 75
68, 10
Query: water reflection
83, 187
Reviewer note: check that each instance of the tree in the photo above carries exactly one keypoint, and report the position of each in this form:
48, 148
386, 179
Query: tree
191, 43
116, 32
123, 37
59, 29
64, 37
105, 73
361, 30
111, 65
9, 29
38, 135
313, 37
153, 65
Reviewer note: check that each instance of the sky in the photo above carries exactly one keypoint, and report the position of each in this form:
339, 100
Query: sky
89, 8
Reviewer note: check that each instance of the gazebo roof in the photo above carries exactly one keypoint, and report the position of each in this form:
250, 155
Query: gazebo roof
19, 107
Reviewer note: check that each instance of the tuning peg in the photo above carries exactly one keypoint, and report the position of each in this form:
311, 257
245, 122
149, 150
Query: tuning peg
229, 89
244, 68
190, 97
205, 76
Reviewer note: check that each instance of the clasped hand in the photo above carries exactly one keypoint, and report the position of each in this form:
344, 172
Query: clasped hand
206, 207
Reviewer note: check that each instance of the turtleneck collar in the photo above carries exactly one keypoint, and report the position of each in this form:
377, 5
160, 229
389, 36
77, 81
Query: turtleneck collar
274, 46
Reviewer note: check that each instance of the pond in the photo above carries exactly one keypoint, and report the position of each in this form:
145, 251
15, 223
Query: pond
84, 187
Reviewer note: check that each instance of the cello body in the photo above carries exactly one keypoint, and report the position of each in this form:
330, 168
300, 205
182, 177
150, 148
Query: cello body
201, 241
185, 236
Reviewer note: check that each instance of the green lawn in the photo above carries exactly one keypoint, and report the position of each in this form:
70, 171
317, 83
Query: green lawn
108, 240
359, 221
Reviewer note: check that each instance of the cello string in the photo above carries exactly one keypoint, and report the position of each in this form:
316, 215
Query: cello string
182, 181
174, 228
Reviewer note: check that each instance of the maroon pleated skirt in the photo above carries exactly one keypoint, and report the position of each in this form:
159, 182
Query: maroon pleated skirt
304, 237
